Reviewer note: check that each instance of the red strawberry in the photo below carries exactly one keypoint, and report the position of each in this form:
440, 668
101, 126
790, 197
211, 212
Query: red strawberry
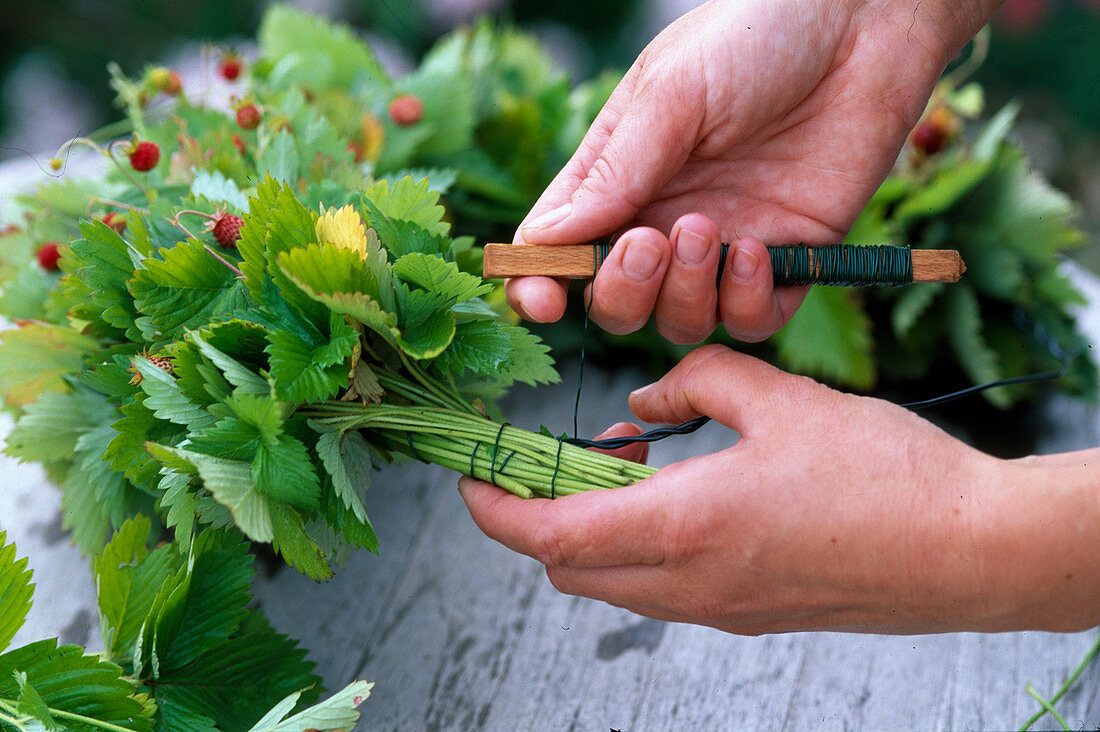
144, 156
230, 66
248, 116
48, 256
406, 110
934, 131
227, 230
238, 142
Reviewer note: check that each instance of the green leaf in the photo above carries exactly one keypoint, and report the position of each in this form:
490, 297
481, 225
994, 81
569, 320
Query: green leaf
104, 264
224, 684
327, 268
68, 681
531, 361
230, 482
829, 337
126, 452
15, 591
911, 305
32, 705
280, 159
214, 186
277, 222
49, 428
947, 189
481, 346
964, 331
165, 399
234, 371
94, 498
410, 200
185, 289
128, 577
336, 712
995, 131
307, 50
217, 598
283, 472
296, 547
440, 277
179, 505
36, 358
346, 457
24, 296
427, 324
304, 372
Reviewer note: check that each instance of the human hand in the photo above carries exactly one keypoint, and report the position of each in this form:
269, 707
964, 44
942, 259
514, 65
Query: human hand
746, 122
831, 512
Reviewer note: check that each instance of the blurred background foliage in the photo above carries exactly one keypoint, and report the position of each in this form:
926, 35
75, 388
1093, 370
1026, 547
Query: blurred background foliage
54, 53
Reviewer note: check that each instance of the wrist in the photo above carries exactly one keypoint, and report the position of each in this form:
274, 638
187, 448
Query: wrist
1037, 534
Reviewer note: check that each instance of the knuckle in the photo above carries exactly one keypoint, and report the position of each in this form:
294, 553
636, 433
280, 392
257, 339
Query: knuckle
551, 547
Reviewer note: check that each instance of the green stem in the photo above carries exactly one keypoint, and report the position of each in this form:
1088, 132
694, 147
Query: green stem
520, 461
17, 721
1049, 706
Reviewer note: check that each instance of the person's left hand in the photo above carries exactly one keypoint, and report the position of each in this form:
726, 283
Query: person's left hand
831, 512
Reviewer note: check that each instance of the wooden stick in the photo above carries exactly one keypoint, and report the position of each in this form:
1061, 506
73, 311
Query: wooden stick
577, 261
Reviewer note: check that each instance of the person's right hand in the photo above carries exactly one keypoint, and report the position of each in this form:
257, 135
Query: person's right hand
747, 122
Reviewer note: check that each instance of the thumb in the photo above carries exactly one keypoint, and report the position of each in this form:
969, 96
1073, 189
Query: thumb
640, 139
740, 391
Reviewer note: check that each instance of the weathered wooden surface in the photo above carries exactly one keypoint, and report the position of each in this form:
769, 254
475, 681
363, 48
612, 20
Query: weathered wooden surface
461, 634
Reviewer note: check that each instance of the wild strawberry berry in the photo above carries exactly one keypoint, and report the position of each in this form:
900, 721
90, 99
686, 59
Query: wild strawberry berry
161, 362
934, 131
144, 156
165, 80
238, 142
230, 66
227, 230
406, 110
115, 221
48, 256
174, 85
248, 116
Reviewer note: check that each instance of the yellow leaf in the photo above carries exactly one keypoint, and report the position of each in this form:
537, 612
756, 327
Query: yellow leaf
343, 228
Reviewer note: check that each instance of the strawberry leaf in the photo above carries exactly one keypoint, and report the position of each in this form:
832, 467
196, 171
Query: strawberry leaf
15, 591
185, 290
832, 320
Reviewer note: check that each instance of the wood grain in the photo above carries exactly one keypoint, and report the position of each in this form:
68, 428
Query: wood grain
577, 261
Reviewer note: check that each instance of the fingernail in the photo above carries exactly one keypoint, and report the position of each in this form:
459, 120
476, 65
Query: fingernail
691, 247
548, 219
744, 265
640, 260
641, 390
